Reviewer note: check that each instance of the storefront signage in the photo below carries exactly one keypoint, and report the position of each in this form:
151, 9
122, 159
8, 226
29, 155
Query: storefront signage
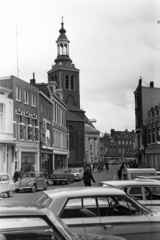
27, 144
47, 147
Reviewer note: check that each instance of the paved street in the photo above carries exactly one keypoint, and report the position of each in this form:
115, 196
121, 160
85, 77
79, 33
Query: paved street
98, 176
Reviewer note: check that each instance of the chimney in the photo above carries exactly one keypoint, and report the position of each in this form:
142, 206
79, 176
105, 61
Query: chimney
33, 81
140, 81
151, 84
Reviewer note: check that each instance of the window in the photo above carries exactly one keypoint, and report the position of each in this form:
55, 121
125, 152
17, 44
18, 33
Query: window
45, 110
34, 102
67, 82
71, 139
134, 192
126, 142
26, 97
72, 82
18, 94
42, 108
1, 117
49, 112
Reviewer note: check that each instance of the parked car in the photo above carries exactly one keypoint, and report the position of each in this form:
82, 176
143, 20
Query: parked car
100, 210
32, 181
62, 176
147, 192
7, 185
26, 221
78, 173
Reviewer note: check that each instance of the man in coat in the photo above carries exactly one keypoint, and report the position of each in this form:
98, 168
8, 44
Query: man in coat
87, 177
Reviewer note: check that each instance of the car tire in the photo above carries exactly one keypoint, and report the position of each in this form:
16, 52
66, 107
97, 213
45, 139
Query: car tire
17, 190
10, 194
33, 188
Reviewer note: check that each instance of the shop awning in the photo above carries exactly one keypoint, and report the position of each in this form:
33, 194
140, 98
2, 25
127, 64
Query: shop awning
7, 142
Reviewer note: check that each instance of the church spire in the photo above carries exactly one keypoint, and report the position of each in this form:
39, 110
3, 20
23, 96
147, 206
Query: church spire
62, 45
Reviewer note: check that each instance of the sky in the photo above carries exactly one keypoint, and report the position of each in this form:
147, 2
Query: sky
112, 43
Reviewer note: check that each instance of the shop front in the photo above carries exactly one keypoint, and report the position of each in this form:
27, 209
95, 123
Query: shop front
27, 156
46, 162
60, 158
152, 157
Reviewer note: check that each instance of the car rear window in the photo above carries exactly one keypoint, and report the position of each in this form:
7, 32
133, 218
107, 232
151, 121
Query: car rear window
44, 199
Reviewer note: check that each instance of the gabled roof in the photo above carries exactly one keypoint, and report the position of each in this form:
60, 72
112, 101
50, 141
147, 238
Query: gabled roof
74, 108
90, 128
71, 117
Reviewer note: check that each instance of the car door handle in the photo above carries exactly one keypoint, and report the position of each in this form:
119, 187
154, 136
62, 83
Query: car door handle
107, 226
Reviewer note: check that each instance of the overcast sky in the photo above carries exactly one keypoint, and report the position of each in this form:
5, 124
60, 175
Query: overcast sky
112, 43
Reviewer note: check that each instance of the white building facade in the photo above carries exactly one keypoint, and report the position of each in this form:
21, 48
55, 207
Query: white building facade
7, 146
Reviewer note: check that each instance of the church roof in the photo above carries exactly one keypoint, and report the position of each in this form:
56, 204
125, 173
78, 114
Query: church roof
62, 35
74, 108
71, 117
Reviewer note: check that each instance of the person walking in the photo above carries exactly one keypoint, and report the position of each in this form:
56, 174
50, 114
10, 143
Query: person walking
21, 172
87, 177
16, 176
107, 167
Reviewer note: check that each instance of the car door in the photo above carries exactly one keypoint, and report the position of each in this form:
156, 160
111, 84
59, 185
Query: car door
80, 218
39, 180
123, 218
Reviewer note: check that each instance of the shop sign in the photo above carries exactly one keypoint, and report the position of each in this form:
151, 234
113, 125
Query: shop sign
27, 144
47, 147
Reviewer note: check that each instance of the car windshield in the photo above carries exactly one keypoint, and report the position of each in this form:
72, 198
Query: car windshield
30, 175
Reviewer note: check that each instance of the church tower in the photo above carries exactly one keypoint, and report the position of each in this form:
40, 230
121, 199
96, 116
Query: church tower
65, 78
64, 73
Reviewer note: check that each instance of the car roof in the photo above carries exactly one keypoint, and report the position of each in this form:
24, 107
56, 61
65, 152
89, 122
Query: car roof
82, 191
20, 208
140, 182
140, 170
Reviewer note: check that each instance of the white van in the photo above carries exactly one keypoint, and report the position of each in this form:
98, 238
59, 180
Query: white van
132, 173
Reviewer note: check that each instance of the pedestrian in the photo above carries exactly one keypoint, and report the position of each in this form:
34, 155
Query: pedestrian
16, 176
107, 167
21, 172
87, 177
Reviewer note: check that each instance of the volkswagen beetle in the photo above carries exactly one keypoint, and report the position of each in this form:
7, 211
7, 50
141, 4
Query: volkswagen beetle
32, 181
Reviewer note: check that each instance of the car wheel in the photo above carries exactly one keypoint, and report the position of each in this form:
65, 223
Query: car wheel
33, 188
10, 194
17, 190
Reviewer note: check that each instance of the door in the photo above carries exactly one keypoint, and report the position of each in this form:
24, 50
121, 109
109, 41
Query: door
123, 218
40, 180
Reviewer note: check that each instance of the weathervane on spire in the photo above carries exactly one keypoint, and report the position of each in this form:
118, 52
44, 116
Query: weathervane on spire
62, 18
